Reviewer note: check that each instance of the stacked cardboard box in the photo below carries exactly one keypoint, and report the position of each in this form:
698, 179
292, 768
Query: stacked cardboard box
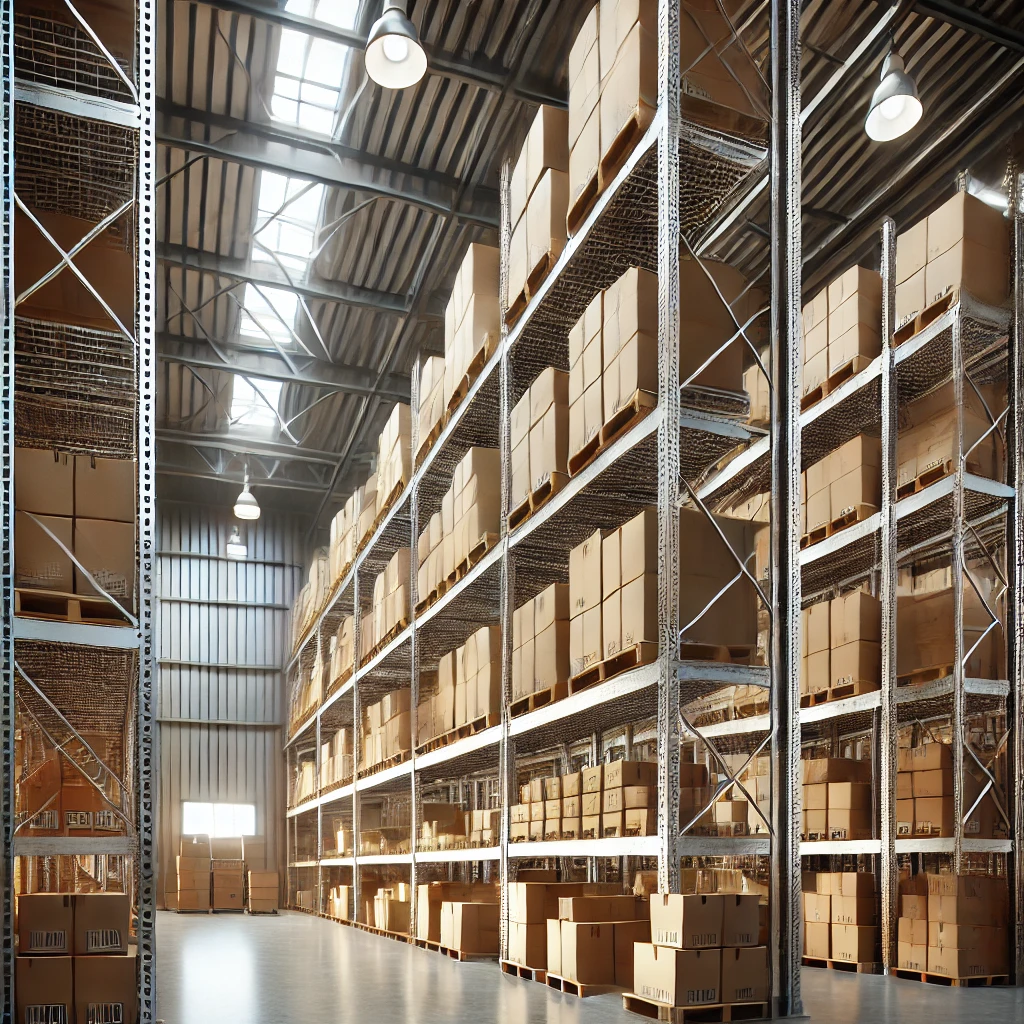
846, 484
386, 729
755, 383
385, 827
304, 783
432, 408
841, 641
88, 504
538, 203
448, 827
629, 340
591, 940
367, 509
263, 891
475, 503
629, 588
228, 869
394, 457
392, 908
841, 322
430, 557
339, 902
963, 244
926, 448
391, 596
840, 916
836, 799
540, 643
471, 320
342, 547
254, 852
953, 926
343, 651
586, 401
704, 950
72, 954
539, 428
433, 897
195, 876
336, 758
306, 694
733, 813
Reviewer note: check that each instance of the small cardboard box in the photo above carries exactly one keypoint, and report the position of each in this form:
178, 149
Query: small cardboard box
861, 910
106, 488
817, 940
911, 957
595, 909
630, 773
818, 907
39, 561
528, 943
740, 924
101, 923
912, 932
553, 932
44, 482
677, 977
687, 921
45, 924
745, 974
107, 550
854, 943
45, 982
588, 952
106, 980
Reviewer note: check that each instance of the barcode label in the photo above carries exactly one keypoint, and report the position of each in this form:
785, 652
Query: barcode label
56, 1013
48, 942
78, 819
45, 819
100, 940
114, 583
105, 1013
105, 820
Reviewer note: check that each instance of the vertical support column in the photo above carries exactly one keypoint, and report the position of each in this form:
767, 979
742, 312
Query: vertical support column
887, 597
785, 504
958, 567
146, 362
414, 647
7, 514
316, 787
668, 443
357, 620
506, 748
1015, 577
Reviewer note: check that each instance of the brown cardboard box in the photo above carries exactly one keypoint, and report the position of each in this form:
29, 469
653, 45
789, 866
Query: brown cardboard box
933, 816
546, 146
913, 932
106, 980
952, 962
630, 308
854, 943
937, 782
817, 940
553, 931
585, 154
856, 884
593, 779
745, 974
45, 982
911, 957
835, 769
630, 773
45, 924
611, 622
629, 88
584, 75
687, 922
854, 616
39, 561
588, 952
528, 944
194, 899
911, 250
474, 927
627, 934
598, 908
551, 656
817, 907
740, 919
107, 550
639, 547
106, 488
857, 662
848, 795
101, 923
677, 977
849, 824
927, 757
962, 936
640, 611
44, 482
860, 910
585, 575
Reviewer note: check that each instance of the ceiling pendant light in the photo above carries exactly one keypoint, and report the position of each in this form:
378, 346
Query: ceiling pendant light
236, 549
246, 505
895, 106
394, 57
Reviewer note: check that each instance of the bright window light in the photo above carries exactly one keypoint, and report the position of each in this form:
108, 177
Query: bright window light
340, 13
267, 315
249, 411
291, 232
219, 821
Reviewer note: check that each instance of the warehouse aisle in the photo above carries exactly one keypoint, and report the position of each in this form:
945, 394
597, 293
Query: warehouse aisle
294, 968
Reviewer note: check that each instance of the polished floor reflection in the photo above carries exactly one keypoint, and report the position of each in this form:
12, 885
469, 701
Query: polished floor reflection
296, 968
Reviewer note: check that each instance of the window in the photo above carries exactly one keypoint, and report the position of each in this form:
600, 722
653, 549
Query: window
288, 210
268, 316
219, 821
254, 408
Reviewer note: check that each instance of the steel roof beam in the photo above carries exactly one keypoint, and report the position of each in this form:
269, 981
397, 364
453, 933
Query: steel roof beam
269, 365
484, 74
960, 16
240, 444
298, 153
237, 479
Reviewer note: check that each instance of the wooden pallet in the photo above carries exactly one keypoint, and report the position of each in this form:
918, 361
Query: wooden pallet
262, 913
852, 689
925, 317
750, 708
227, 910
738, 654
534, 278
930, 476
625, 141
473, 370
852, 515
538, 699
641, 403
479, 549
924, 675
712, 1012
583, 204
189, 910
339, 682
850, 966
429, 441
981, 981
631, 657
60, 607
537, 499
519, 514
514, 970
577, 988
389, 762
810, 700
373, 930
463, 957
460, 733
834, 381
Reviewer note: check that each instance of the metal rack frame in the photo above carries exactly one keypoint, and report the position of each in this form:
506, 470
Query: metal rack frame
133, 115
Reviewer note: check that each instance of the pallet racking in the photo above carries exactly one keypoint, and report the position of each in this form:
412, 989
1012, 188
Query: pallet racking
79, 123
679, 187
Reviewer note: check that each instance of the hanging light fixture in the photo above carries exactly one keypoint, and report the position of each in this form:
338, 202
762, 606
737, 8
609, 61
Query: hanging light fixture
246, 505
895, 106
394, 57
236, 548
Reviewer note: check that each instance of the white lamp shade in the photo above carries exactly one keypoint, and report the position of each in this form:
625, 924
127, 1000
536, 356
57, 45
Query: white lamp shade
236, 549
394, 57
895, 106
246, 505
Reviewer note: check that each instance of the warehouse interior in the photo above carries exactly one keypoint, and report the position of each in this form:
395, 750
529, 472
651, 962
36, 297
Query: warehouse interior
499, 483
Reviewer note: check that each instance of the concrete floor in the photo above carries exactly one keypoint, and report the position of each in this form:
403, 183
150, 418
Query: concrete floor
297, 968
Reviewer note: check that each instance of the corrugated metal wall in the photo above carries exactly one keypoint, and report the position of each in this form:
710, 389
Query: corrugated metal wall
222, 638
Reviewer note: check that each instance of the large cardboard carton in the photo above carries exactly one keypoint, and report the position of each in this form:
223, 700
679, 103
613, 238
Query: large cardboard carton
854, 943
106, 488
740, 924
40, 562
474, 927
687, 921
101, 923
677, 977
952, 962
105, 982
546, 147
588, 952
745, 974
44, 987
595, 909
45, 924
817, 940
554, 945
107, 550
627, 934
44, 482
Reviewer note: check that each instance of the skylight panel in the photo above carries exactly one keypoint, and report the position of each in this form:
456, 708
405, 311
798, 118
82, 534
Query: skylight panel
261, 319
251, 401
